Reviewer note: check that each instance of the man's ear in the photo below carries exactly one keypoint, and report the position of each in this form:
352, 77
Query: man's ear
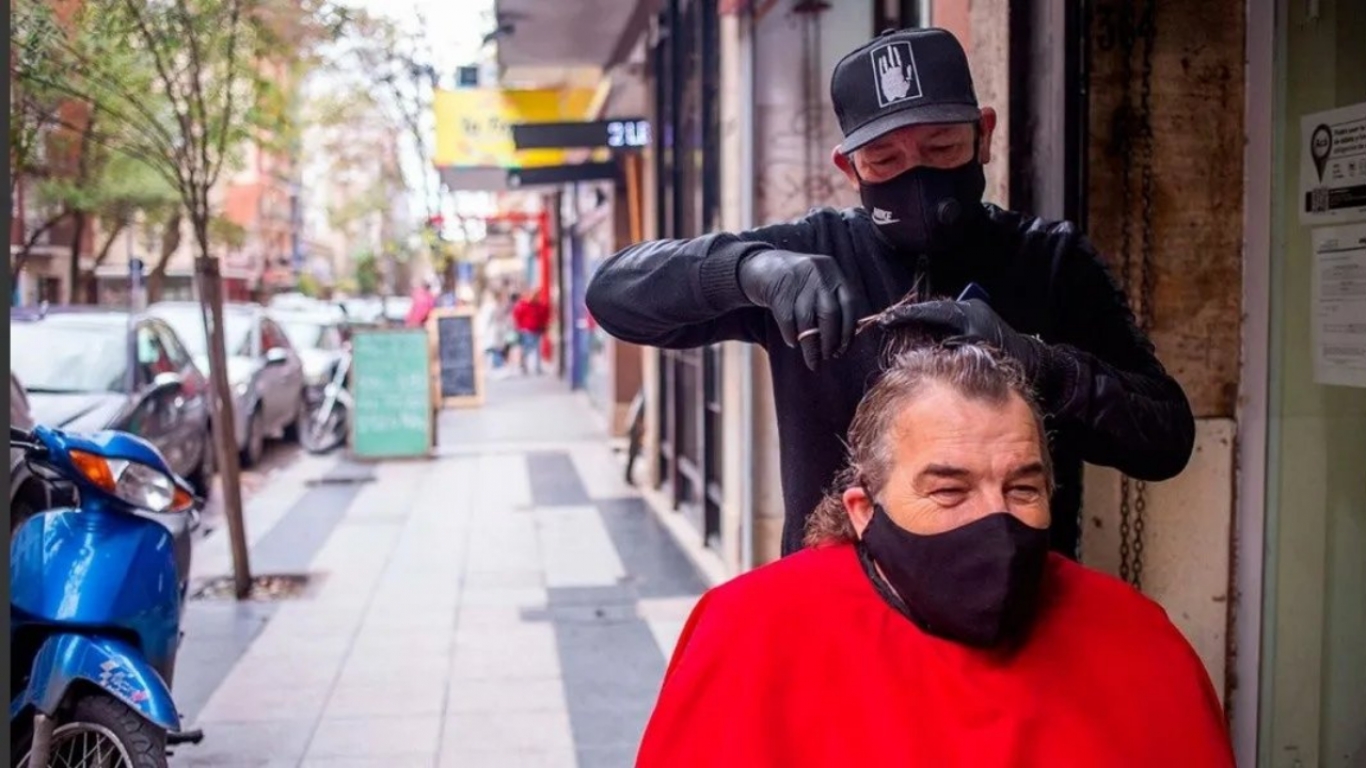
845, 164
859, 507
988, 125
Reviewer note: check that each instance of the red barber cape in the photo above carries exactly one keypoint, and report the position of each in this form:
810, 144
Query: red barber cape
801, 663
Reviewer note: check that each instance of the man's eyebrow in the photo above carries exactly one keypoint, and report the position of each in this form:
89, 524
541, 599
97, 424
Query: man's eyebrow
1033, 468
943, 471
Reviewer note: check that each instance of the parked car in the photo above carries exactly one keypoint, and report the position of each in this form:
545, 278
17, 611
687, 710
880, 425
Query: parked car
27, 494
318, 337
89, 370
264, 370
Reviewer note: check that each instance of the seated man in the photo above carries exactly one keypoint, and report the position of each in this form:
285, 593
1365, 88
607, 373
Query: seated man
926, 624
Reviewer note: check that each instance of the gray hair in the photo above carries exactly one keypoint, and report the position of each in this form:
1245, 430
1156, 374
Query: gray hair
974, 371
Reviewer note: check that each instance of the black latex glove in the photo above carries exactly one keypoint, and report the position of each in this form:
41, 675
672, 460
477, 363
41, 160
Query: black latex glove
814, 305
974, 320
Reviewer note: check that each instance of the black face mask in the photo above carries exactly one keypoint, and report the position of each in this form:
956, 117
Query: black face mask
977, 585
926, 209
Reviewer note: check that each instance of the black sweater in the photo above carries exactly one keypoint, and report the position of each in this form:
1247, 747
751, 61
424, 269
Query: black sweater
1122, 409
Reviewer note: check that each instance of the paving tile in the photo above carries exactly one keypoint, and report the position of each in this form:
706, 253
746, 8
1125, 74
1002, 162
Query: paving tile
521, 638
546, 731
433, 617
521, 597
505, 663
413, 738
397, 696
301, 649
602, 472
186, 760
280, 742
498, 615
462, 758
316, 672
388, 639
576, 548
502, 696
532, 578
617, 756
554, 479
254, 701
622, 723
400, 761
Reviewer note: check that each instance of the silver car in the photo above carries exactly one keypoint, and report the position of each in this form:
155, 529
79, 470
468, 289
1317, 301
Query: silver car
27, 494
264, 370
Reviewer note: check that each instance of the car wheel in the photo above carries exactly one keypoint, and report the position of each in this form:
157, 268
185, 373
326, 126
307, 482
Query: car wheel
256, 441
202, 479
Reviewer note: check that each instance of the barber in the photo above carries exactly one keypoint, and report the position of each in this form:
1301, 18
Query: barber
915, 143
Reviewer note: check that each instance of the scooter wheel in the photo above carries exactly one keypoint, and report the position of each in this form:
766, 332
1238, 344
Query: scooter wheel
102, 731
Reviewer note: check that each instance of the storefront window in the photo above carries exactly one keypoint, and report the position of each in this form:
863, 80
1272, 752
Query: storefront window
1313, 680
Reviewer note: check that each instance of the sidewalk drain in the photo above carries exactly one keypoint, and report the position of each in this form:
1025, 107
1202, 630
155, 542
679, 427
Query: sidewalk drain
264, 589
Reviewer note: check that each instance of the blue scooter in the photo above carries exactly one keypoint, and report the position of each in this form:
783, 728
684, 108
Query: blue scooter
96, 596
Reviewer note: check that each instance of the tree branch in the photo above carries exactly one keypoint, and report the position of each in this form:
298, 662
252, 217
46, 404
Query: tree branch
96, 72
163, 145
163, 72
31, 242
158, 163
234, 20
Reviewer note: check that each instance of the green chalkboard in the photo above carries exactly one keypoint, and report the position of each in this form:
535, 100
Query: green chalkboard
391, 383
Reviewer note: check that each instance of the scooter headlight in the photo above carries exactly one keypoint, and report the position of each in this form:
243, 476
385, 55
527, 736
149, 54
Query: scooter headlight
134, 483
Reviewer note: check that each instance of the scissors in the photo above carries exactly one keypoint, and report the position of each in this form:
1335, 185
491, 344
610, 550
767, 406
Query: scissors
971, 291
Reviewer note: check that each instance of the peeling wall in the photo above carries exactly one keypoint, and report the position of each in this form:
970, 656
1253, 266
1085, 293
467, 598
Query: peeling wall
1197, 117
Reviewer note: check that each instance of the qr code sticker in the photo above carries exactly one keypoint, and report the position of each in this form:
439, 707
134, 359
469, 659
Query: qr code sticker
1318, 201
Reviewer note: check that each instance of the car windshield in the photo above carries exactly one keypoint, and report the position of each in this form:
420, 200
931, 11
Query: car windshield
55, 358
304, 334
188, 324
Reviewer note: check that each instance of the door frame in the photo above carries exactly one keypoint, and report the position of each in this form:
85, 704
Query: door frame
1243, 697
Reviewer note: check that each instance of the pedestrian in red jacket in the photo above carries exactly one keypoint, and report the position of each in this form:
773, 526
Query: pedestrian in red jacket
531, 317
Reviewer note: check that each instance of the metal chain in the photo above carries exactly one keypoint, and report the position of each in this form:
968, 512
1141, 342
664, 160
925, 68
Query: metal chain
1136, 143
1148, 281
1126, 133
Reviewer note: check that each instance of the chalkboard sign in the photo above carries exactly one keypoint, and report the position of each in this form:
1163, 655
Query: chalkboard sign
457, 365
392, 388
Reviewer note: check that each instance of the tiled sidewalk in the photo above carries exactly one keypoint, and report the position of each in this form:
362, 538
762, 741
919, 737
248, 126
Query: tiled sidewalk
511, 603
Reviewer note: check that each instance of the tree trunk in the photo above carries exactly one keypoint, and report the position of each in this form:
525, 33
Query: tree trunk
211, 307
79, 216
74, 268
92, 283
170, 243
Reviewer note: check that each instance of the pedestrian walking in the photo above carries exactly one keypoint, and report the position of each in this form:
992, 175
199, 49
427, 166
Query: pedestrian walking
915, 143
932, 626
424, 300
531, 317
493, 327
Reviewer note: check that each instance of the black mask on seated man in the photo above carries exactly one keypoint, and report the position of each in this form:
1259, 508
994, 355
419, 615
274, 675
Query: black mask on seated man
977, 584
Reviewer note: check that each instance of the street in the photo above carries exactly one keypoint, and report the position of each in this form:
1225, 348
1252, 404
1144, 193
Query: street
508, 603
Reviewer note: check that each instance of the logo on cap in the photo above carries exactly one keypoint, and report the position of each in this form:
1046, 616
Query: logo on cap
894, 74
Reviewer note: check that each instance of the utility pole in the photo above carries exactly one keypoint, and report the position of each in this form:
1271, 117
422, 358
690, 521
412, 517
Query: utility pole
211, 303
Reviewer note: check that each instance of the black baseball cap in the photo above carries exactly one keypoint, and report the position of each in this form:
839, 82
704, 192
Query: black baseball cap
900, 78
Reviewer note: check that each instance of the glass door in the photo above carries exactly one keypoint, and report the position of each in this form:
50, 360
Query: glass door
1313, 676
